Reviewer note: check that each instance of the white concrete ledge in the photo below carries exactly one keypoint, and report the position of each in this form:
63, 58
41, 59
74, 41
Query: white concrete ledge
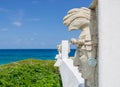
70, 75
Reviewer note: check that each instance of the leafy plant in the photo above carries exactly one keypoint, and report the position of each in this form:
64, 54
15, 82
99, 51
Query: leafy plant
30, 73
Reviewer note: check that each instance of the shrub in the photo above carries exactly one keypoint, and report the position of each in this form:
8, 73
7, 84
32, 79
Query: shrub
30, 73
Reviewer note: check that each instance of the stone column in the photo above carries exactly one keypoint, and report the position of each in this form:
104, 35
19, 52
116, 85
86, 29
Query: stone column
94, 34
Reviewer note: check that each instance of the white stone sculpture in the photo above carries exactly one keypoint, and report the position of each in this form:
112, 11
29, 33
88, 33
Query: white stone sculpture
85, 56
59, 48
58, 56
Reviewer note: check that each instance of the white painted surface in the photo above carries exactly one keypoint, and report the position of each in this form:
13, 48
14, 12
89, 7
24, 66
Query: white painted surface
65, 49
58, 62
109, 43
70, 74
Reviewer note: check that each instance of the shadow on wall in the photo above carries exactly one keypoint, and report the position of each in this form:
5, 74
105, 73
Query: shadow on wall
81, 85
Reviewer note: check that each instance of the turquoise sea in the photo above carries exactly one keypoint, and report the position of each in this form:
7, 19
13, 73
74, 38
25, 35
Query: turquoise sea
12, 55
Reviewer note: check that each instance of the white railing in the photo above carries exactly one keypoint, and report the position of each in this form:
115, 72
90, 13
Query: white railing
70, 75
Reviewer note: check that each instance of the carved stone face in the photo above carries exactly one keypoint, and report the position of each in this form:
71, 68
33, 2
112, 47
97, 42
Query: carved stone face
84, 68
79, 18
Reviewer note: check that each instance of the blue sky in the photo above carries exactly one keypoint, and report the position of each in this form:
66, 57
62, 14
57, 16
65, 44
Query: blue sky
35, 24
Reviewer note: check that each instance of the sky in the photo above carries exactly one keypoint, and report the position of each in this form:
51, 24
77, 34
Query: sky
35, 24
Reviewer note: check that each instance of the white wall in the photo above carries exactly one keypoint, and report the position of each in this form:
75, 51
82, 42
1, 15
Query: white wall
109, 43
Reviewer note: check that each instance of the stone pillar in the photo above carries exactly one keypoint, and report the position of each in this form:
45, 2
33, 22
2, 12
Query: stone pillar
109, 43
94, 34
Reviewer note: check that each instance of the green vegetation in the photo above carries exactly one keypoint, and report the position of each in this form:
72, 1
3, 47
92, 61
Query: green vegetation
30, 73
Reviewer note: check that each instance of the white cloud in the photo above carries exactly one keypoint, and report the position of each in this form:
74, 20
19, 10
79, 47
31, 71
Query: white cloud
4, 29
17, 23
17, 17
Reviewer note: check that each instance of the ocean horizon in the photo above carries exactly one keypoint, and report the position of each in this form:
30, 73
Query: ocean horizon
13, 55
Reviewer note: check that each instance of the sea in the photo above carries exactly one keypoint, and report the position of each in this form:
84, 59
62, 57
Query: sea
13, 55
